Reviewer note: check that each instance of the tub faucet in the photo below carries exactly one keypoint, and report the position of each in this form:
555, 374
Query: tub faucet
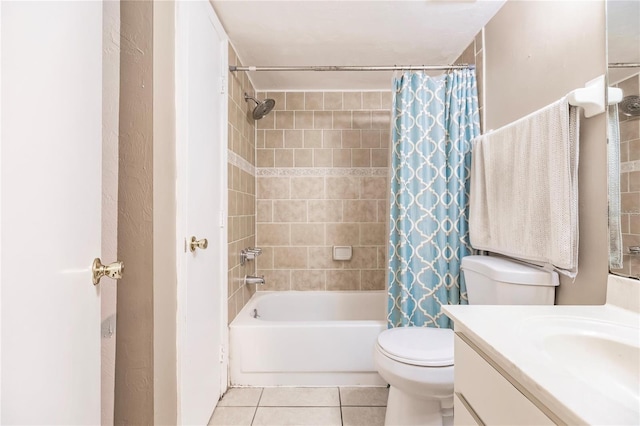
250, 279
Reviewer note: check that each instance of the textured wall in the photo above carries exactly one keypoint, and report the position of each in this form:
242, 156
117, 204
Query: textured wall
630, 181
241, 186
134, 341
535, 53
322, 181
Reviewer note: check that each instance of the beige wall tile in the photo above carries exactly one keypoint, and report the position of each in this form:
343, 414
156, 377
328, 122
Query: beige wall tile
325, 211
371, 100
307, 234
351, 138
303, 158
634, 224
361, 158
383, 210
307, 280
380, 157
340, 234
303, 120
343, 280
363, 258
290, 211
273, 139
270, 234
342, 120
374, 188
624, 182
265, 260
375, 279
293, 138
360, 211
276, 280
331, 139
341, 158
265, 158
307, 187
260, 139
290, 257
333, 101
295, 101
371, 139
342, 188
313, 101
385, 138
279, 97
634, 149
373, 234
313, 138
382, 256
380, 120
272, 188
322, 258
322, 119
352, 100
264, 211
361, 119
322, 157
283, 157
284, 119
387, 100
267, 122
634, 181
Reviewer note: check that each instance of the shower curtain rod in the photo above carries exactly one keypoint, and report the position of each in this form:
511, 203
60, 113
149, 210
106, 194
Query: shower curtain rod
353, 68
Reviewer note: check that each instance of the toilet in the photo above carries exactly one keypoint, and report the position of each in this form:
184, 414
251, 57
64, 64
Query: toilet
417, 362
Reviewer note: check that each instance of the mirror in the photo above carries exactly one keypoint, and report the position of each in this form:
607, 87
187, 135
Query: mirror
623, 51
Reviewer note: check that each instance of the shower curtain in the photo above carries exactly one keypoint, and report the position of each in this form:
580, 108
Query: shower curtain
434, 121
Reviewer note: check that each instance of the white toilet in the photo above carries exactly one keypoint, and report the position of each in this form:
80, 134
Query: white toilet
417, 362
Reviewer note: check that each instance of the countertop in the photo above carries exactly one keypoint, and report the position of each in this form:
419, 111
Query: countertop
507, 334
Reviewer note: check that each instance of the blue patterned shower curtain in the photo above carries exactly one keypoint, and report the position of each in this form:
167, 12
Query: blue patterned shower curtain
434, 121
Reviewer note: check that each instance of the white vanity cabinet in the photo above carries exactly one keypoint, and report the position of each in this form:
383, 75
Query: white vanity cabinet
485, 394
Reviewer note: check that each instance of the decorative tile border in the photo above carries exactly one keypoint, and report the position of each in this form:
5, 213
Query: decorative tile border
294, 171
240, 162
630, 166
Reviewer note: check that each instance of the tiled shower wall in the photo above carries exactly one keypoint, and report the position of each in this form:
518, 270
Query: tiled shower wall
630, 181
322, 181
241, 186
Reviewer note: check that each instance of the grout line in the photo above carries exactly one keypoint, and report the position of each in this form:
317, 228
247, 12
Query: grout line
255, 412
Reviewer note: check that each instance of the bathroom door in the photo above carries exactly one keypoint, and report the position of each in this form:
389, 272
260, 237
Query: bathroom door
51, 118
201, 55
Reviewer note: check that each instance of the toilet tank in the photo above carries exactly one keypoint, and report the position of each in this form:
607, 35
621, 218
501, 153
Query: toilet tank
493, 280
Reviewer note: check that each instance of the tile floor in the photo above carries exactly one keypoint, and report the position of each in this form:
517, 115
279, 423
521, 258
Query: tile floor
345, 406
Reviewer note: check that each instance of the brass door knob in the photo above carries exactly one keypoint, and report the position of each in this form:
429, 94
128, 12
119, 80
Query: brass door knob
113, 270
201, 244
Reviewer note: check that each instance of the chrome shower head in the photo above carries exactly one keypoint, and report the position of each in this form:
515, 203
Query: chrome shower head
262, 107
630, 106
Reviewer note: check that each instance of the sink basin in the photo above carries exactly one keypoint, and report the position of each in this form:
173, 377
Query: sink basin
605, 356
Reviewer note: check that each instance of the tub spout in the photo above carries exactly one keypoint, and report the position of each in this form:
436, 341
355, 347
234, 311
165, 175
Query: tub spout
250, 279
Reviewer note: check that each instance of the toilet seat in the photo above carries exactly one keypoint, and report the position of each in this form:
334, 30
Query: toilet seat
419, 346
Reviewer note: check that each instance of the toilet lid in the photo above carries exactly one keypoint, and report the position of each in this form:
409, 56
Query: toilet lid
423, 346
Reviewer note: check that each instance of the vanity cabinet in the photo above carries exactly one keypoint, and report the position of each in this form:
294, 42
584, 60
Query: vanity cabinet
484, 396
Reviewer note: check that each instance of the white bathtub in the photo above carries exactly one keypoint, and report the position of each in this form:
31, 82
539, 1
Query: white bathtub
307, 339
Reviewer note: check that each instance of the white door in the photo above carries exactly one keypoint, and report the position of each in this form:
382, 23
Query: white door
51, 134
201, 55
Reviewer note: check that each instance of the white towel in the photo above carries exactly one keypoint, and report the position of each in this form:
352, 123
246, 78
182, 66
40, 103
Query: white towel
524, 189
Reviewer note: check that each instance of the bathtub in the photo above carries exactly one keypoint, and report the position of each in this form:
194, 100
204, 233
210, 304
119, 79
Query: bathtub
307, 338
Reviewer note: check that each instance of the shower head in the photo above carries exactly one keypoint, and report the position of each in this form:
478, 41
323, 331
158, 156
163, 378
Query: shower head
630, 106
262, 107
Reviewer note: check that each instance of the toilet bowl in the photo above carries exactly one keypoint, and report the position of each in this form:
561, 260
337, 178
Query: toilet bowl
418, 364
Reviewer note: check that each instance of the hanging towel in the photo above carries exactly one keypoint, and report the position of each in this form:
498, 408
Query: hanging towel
613, 154
524, 189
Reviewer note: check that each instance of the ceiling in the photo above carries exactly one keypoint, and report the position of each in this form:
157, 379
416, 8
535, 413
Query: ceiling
348, 32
